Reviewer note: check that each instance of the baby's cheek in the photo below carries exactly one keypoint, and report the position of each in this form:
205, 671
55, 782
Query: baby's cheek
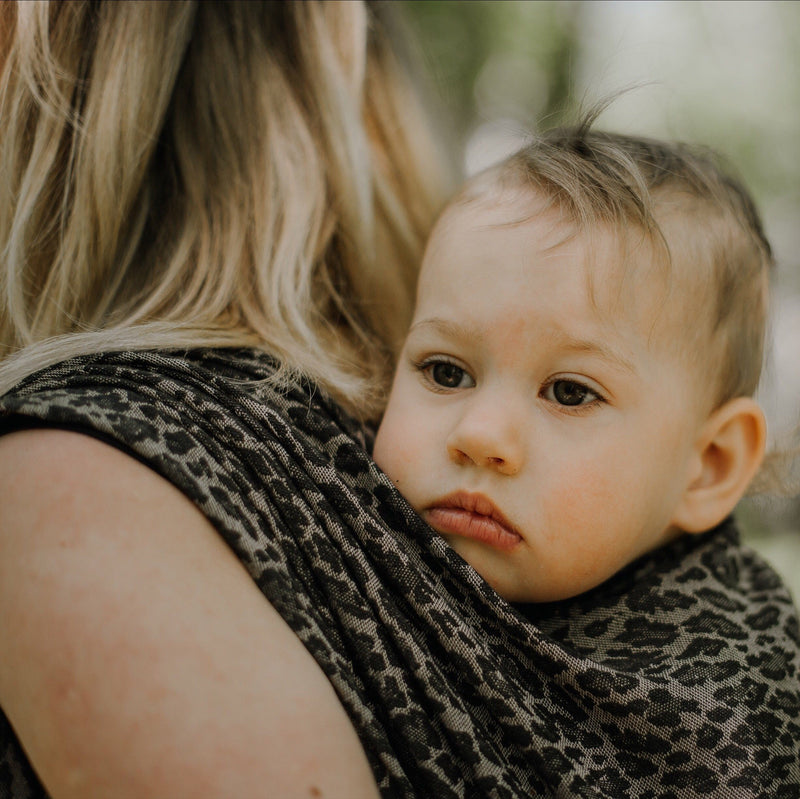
394, 455
596, 521
583, 545
580, 500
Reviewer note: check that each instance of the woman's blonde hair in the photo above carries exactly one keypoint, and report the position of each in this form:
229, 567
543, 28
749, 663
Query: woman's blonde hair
186, 174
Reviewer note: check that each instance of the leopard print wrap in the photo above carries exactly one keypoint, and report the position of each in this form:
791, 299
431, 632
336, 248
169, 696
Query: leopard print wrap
677, 678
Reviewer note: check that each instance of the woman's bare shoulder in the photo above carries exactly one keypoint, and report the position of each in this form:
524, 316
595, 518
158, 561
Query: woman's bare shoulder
139, 658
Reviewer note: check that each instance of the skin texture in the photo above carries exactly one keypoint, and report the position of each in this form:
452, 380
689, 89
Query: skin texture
540, 385
139, 658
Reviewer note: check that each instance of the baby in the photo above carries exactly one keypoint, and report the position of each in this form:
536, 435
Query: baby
576, 388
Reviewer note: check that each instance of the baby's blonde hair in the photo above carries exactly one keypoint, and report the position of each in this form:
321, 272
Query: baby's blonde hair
664, 188
186, 174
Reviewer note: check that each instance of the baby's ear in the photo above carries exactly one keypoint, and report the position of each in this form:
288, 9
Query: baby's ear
729, 451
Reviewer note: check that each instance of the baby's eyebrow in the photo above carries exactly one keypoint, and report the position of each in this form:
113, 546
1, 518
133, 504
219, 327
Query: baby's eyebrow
449, 328
601, 350
562, 339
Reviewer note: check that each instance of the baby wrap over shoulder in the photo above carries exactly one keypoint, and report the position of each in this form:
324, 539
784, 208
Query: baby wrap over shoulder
677, 678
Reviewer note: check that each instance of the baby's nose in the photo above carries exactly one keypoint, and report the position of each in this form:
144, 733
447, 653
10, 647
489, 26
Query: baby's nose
488, 440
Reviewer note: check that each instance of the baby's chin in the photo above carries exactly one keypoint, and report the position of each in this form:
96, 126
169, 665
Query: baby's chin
528, 590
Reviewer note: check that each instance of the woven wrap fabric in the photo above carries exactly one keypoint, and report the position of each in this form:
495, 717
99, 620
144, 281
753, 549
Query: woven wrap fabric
676, 678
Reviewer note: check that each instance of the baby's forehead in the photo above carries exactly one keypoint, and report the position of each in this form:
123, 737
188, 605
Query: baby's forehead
612, 248
632, 275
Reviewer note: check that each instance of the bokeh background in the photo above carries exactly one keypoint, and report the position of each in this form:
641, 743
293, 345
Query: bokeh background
722, 73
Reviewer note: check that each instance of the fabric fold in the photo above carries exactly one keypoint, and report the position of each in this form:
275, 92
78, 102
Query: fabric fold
678, 677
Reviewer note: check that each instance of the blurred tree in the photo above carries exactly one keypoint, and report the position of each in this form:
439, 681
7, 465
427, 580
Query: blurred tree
501, 58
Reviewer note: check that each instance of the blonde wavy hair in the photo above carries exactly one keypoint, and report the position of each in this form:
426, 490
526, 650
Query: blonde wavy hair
189, 174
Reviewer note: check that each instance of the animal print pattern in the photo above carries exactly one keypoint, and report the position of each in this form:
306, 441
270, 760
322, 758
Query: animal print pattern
677, 678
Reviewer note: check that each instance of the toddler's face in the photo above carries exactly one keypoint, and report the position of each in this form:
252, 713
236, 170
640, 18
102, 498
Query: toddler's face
539, 419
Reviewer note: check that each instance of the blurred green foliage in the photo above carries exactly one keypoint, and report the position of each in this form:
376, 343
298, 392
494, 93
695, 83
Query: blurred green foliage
458, 38
724, 73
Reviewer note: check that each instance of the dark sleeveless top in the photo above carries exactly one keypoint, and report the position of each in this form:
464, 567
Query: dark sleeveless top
676, 678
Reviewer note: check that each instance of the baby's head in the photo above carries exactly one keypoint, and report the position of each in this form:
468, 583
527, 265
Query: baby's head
576, 388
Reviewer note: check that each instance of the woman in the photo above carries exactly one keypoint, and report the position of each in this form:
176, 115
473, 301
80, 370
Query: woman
187, 174
211, 216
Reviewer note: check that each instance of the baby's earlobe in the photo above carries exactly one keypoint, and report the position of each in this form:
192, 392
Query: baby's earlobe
730, 452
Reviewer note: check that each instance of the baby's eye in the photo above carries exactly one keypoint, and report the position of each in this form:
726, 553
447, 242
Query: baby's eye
446, 374
570, 393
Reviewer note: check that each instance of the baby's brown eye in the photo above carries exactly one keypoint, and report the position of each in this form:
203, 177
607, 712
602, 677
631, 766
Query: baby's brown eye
442, 375
566, 392
448, 375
